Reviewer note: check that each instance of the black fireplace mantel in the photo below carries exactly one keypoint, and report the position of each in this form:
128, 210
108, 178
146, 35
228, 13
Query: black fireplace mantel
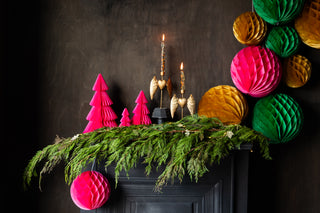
224, 189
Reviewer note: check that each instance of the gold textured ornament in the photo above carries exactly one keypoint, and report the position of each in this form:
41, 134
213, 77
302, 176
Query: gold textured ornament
153, 87
182, 102
161, 84
249, 28
225, 103
308, 24
173, 105
191, 104
169, 87
296, 71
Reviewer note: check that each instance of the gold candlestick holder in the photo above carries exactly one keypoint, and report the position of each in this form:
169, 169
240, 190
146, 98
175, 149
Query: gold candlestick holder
182, 101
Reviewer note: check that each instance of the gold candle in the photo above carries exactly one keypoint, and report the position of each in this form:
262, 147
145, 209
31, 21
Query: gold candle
162, 56
182, 82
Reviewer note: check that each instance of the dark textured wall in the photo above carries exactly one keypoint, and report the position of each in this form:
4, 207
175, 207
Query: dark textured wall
55, 49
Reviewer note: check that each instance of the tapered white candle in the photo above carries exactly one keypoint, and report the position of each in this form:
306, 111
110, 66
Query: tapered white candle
182, 82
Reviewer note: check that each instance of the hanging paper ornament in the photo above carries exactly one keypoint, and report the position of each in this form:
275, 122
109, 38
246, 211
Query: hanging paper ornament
256, 71
90, 190
249, 28
284, 41
278, 11
278, 117
296, 71
308, 24
225, 103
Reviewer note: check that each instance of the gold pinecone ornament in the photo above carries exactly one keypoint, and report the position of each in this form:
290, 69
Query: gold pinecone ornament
225, 103
308, 24
296, 71
249, 28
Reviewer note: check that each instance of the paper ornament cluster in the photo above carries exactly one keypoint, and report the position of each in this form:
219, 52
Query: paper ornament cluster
225, 103
273, 56
90, 190
279, 117
102, 115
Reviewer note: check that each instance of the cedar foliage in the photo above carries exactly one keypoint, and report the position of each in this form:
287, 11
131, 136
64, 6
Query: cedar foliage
185, 146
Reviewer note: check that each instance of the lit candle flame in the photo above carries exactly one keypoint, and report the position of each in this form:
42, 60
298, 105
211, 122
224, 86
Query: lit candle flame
163, 37
181, 66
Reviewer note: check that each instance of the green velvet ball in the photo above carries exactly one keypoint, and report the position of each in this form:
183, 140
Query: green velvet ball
278, 11
284, 41
278, 117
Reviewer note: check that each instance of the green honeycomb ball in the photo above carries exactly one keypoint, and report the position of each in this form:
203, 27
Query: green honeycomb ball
278, 117
284, 41
278, 11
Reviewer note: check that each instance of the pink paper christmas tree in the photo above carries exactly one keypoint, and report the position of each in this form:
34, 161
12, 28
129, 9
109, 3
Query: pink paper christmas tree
125, 120
141, 111
101, 114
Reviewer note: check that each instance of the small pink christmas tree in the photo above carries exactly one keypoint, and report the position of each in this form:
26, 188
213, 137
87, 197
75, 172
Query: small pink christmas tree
141, 111
101, 114
125, 120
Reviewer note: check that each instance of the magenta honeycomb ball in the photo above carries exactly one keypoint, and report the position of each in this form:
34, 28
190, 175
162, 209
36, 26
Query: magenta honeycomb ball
90, 190
256, 71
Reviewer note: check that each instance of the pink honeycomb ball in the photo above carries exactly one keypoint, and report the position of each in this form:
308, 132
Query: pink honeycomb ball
256, 71
90, 190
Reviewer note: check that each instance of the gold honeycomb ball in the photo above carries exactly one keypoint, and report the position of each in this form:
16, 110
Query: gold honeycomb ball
308, 24
296, 71
249, 28
225, 103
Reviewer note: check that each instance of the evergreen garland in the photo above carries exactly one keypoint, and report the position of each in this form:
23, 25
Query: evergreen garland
186, 146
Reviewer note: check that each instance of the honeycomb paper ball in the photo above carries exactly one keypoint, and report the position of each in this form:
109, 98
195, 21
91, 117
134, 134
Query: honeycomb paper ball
249, 28
284, 41
225, 103
256, 71
296, 71
277, 117
278, 11
90, 190
308, 24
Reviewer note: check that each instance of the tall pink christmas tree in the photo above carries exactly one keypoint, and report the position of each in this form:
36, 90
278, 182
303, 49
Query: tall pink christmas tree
141, 111
125, 120
101, 113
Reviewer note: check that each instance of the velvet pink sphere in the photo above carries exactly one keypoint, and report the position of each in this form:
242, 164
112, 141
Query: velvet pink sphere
256, 71
90, 190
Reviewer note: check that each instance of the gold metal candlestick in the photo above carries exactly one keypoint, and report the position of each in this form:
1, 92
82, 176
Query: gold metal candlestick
182, 101
154, 84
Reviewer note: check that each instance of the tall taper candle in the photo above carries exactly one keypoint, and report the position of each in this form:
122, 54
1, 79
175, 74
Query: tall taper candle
183, 88
163, 66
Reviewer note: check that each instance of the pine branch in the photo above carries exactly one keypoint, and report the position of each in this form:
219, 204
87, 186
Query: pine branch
187, 146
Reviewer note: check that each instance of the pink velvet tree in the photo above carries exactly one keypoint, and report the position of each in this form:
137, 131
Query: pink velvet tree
101, 113
141, 111
125, 120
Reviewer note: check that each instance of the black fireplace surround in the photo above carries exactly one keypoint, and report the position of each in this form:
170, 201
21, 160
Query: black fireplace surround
224, 189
